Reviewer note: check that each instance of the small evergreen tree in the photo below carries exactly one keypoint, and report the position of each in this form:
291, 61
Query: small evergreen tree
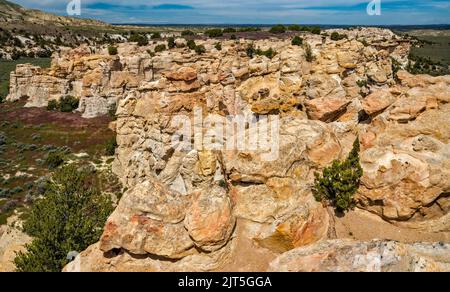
160, 48
250, 51
214, 33
278, 29
68, 104
316, 30
141, 40
335, 36
171, 42
294, 27
191, 44
54, 159
110, 147
70, 217
297, 41
200, 49
308, 53
340, 182
155, 36
112, 50
187, 33
229, 30
53, 105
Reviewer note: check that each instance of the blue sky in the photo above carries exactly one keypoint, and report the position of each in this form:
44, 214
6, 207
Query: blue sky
254, 11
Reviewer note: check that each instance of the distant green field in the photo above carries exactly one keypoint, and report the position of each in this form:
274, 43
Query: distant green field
439, 48
7, 66
439, 51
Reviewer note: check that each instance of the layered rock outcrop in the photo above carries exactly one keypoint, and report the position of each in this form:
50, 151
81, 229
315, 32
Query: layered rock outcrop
373, 256
185, 199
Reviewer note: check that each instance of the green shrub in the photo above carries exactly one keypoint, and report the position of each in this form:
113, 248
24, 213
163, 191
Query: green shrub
3, 139
421, 65
297, 41
214, 33
316, 30
70, 217
112, 111
218, 46
52, 105
4, 90
187, 33
229, 30
362, 83
160, 48
112, 50
200, 49
141, 40
335, 36
191, 44
340, 182
270, 53
155, 36
305, 28
294, 27
249, 29
44, 53
54, 159
110, 147
308, 53
171, 42
16, 190
68, 104
233, 37
250, 51
277, 29
15, 55
396, 66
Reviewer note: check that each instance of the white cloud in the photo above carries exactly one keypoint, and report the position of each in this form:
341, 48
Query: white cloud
262, 11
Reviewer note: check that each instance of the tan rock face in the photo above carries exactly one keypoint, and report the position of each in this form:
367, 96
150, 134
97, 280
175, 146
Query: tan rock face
209, 220
374, 256
12, 241
378, 101
326, 109
147, 217
183, 204
406, 157
182, 74
407, 166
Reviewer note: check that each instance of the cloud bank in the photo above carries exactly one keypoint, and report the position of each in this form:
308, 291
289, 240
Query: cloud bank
351, 12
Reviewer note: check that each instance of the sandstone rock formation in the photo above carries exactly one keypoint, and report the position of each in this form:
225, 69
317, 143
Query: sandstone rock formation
183, 204
12, 241
374, 256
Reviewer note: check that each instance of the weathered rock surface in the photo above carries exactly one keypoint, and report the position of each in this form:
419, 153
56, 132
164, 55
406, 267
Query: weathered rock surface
373, 256
12, 241
149, 220
406, 155
182, 203
228, 78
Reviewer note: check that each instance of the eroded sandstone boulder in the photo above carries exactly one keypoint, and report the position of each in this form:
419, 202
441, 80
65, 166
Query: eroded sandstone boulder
149, 220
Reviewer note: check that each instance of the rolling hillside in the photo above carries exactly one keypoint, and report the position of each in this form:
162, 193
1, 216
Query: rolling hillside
13, 13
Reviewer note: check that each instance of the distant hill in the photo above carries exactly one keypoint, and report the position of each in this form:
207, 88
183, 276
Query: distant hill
11, 12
